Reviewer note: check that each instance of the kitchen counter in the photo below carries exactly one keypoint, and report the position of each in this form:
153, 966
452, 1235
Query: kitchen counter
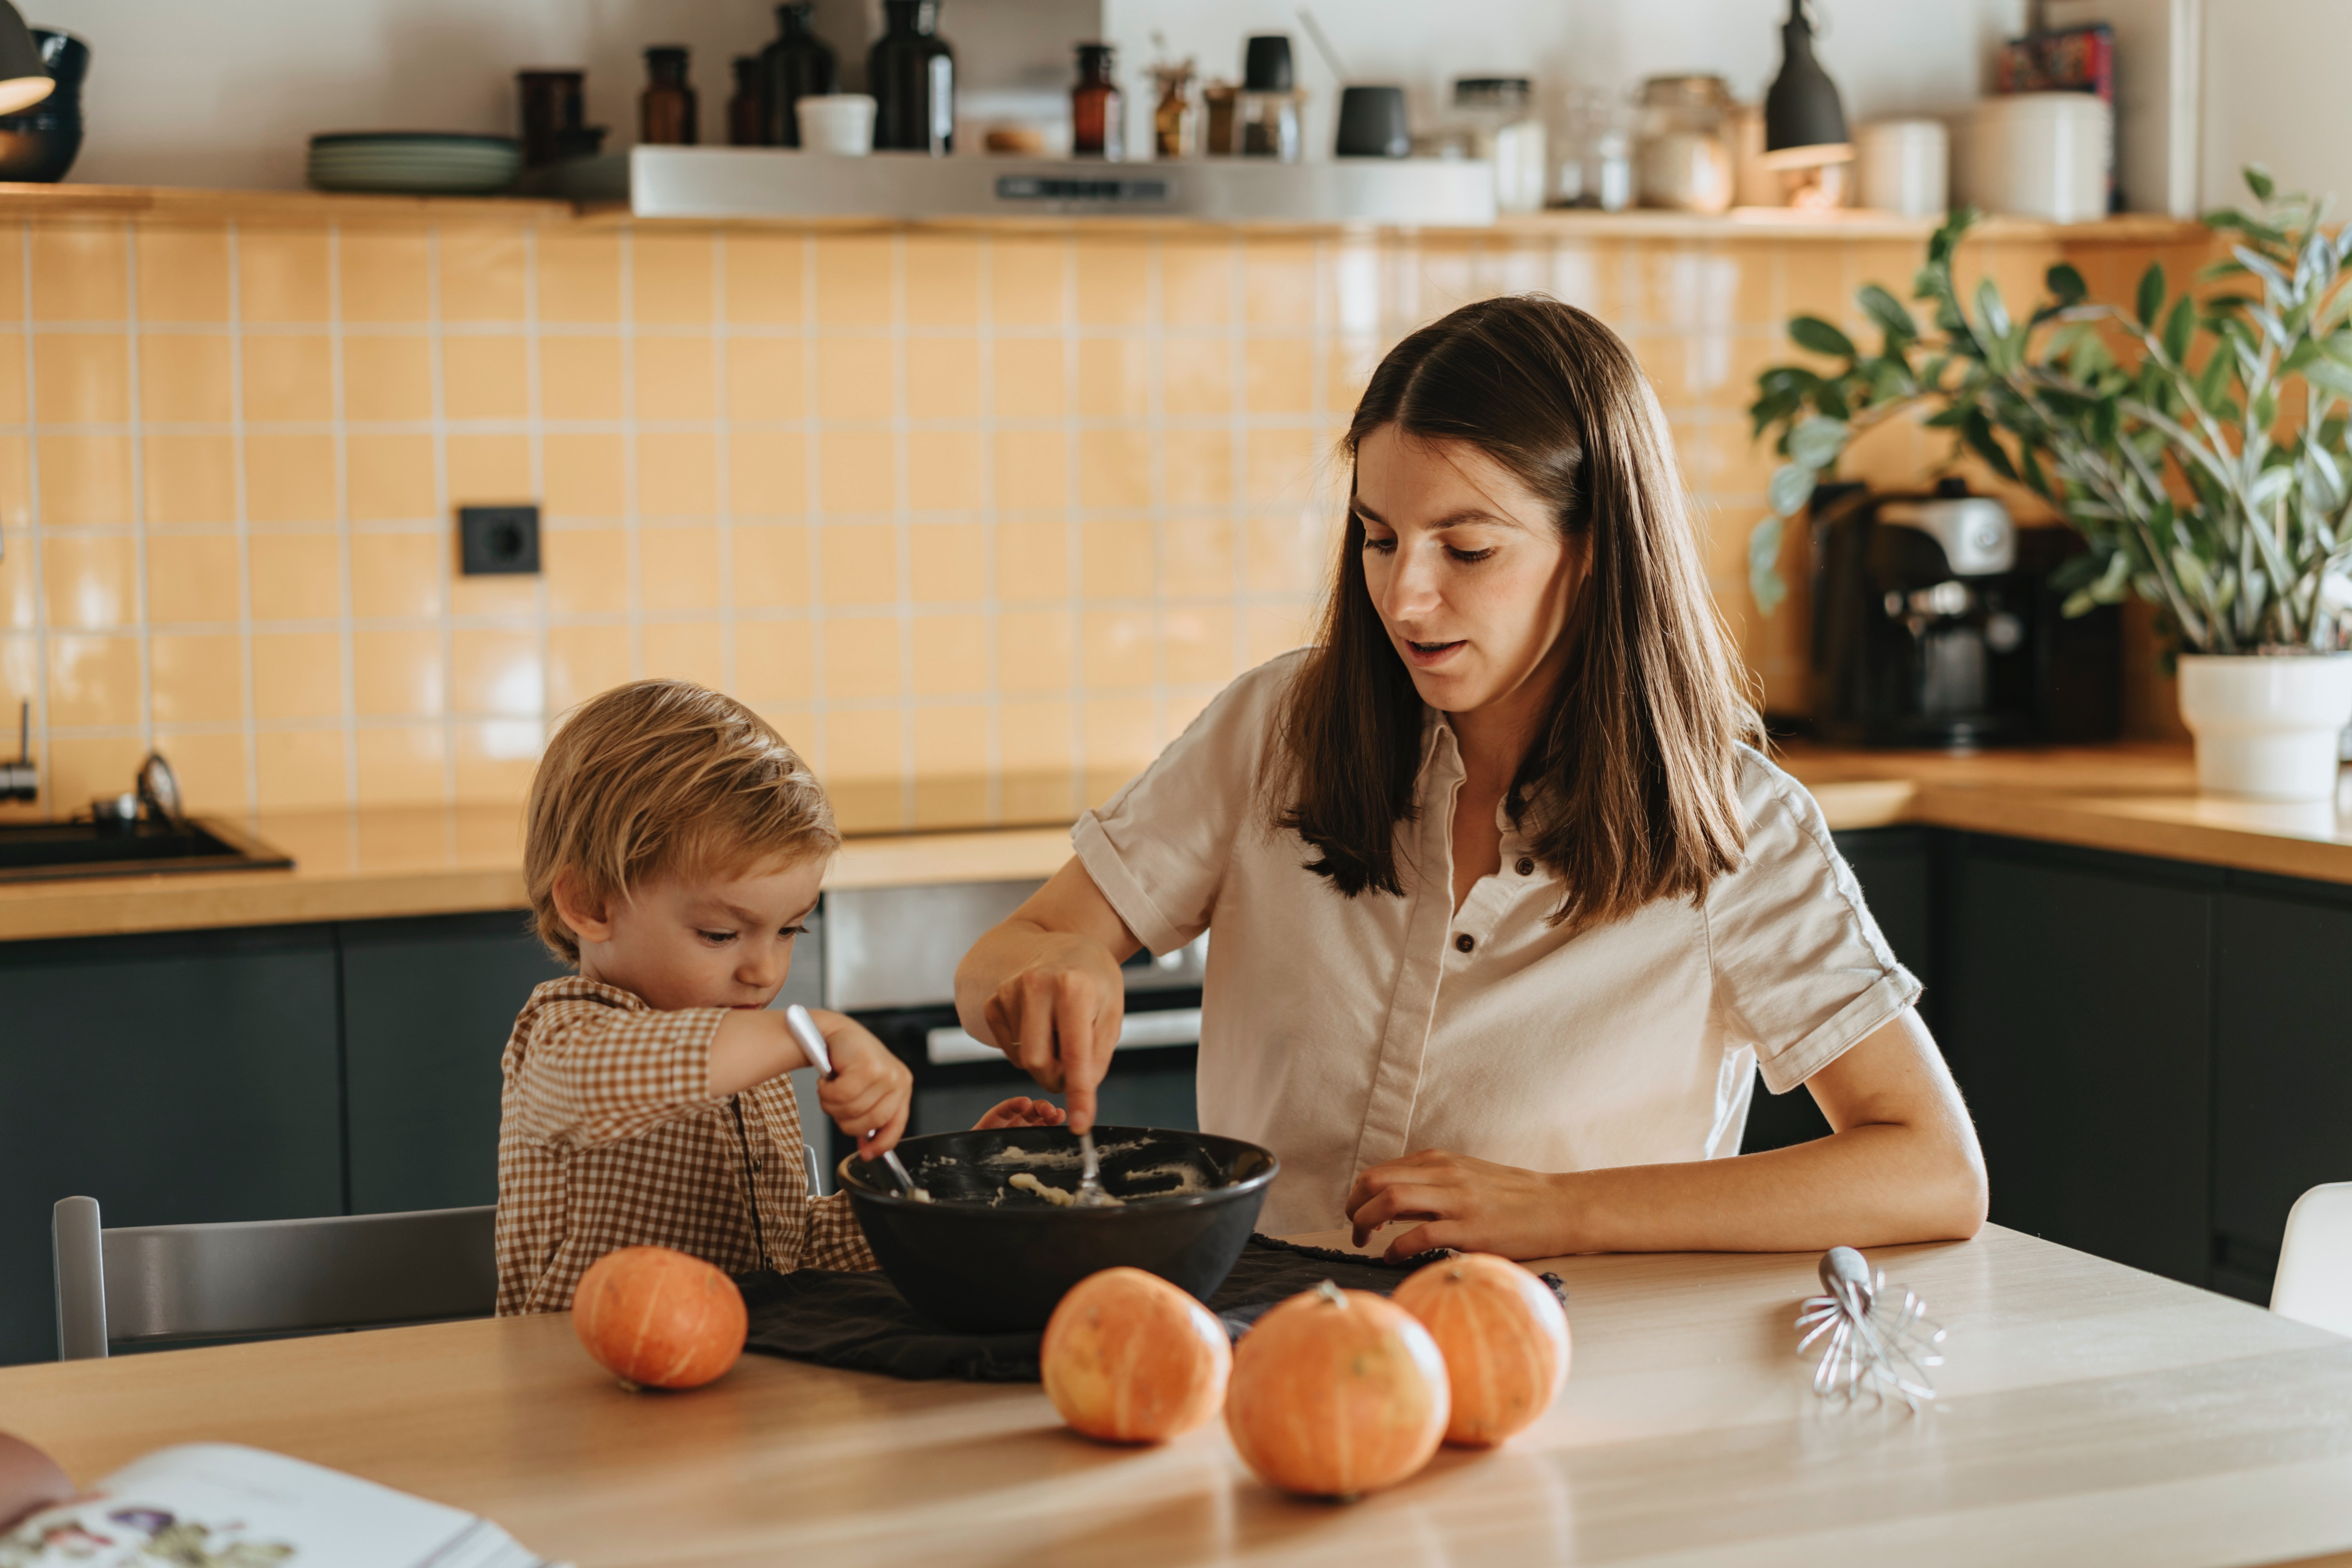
2131, 798
2089, 1414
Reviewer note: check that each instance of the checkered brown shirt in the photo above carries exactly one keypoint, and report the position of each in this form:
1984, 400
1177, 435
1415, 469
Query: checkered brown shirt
609, 1137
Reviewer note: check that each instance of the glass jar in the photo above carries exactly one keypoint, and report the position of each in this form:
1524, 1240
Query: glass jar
910, 71
1496, 116
1683, 153
1593, 142
666, 111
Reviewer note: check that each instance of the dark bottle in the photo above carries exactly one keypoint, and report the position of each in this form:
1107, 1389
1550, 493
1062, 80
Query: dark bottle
747, 118
665, 114
1098, 109
798, 65
911, 74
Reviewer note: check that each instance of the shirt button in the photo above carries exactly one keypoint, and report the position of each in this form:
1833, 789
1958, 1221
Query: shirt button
1464, 943
1526, 867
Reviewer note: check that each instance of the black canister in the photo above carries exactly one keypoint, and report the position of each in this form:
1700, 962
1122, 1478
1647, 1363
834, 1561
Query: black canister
911, 74
40, 145
1266, 63
798, 65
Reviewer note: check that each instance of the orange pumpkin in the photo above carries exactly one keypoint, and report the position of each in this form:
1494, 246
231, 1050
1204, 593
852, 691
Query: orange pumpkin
1337, 1392
658, 1319
1505, 1341
1130, 1358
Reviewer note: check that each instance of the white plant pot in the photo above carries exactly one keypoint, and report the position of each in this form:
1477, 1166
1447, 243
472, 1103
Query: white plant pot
2266, 726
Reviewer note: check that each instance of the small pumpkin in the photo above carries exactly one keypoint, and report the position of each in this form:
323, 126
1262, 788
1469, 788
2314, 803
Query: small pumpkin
1130, 1358
1337, 1392
658, 1319
1505, 1341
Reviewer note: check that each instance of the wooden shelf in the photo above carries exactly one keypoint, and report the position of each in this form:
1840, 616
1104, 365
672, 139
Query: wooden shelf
170, 204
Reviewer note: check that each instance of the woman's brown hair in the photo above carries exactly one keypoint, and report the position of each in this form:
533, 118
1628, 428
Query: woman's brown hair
1629, 792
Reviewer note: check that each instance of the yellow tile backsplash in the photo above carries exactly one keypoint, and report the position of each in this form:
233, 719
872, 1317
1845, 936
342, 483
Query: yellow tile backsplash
980, 520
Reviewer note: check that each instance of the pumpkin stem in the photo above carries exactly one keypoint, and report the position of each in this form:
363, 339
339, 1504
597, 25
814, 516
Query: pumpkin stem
1332, 1293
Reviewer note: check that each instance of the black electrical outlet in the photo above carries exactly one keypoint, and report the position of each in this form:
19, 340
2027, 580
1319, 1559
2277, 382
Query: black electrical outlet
497, 539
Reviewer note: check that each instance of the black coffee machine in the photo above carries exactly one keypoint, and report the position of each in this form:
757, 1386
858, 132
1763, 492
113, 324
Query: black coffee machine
1935, 625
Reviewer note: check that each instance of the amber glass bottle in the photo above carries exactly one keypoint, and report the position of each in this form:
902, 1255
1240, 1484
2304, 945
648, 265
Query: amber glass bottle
911, 74
665, 114
798, 65
746, 119
1097, 110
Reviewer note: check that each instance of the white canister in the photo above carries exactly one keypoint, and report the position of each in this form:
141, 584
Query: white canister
1905, 165
2037, 155
838, 122
2266, 725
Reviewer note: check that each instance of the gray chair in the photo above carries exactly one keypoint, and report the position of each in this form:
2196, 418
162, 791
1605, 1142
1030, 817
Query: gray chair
165, 1282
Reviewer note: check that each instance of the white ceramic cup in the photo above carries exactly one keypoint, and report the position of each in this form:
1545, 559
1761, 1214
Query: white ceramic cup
1905, 165
2037, 155
837, 122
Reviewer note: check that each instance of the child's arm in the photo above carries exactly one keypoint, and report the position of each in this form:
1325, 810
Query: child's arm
870, 1091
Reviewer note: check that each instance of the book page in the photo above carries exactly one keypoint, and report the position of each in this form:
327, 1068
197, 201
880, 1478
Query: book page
217, 1505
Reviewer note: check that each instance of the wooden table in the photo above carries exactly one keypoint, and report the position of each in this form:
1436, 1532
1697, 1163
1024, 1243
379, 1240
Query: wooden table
2091, 1415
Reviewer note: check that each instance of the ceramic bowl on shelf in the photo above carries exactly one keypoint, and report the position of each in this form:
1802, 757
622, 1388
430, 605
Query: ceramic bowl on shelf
987, 1256
413, 163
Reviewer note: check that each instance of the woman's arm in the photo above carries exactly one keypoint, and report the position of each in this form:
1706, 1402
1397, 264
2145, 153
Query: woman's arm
1044, 988
1901, 1164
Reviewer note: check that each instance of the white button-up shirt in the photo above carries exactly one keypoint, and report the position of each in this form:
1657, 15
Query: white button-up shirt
1342, 1032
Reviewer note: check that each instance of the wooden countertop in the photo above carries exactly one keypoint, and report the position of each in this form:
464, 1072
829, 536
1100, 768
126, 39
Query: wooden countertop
2089, 1414
2133, 798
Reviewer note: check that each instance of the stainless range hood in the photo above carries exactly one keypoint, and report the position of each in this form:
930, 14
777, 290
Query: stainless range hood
762, 183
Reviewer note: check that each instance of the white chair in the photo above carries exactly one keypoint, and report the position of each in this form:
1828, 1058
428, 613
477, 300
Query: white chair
165, 1282
2315, 1273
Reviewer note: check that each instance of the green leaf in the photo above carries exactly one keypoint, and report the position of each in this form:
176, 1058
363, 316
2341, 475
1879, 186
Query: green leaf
2151, 293
1812, 332
1992, 316
2179, 328
2258, 180
2067, 284
1791, 488
1978, 432
1763, 570
1886, 310
2330, 376
1817, 442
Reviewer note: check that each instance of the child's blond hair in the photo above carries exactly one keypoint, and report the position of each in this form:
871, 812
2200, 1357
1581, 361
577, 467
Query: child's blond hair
659, 777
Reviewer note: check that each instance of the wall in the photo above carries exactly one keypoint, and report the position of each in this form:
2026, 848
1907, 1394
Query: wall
980, 520
2274, 95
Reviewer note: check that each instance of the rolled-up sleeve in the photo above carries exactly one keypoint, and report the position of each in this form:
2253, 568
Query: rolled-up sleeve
1159, 848
1800, 970
592, 1074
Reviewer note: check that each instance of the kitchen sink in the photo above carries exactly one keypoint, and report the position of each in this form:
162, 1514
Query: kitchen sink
52, 851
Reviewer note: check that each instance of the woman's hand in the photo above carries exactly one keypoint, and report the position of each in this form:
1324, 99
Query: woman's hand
1475, 1206
1044, 988
1020, 1112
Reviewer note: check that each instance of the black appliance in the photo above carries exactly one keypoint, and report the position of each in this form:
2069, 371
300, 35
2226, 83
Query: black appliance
1935, 625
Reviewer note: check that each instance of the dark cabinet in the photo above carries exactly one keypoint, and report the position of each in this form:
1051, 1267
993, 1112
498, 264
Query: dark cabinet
174, 1078
427, 1008
2282, 1072
2079, 1022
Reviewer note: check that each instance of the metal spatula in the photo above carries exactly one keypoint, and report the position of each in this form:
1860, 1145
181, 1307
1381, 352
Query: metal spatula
812, 1039
1092, 1194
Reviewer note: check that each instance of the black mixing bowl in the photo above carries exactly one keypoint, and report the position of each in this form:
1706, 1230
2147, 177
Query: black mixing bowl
986, 1258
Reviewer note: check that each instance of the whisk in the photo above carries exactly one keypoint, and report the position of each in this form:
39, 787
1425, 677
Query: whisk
1876, 1346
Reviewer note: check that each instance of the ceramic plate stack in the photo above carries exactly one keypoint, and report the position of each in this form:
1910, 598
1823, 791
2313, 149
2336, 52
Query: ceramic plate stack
414, 163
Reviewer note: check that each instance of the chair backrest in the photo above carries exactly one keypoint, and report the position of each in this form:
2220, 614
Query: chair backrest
198, 1282
2314, 1273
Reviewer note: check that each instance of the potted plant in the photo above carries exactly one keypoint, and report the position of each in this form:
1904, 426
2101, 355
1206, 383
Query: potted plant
2197, 442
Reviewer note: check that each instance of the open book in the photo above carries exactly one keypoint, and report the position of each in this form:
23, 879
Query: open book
217, 1505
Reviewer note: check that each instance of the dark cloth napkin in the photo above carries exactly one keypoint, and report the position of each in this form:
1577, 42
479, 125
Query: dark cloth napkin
860, 1322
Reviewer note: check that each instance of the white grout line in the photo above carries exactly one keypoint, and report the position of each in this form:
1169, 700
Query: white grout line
632, 523
444, 558
722, 455
902, 528
992, 619
37, 589
812, 524
243, 520
347, 643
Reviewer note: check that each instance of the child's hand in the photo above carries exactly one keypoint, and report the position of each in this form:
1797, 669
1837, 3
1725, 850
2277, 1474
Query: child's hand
1020, 1112
870, 1091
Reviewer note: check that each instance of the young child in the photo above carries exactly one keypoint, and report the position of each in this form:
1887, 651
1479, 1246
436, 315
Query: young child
675, 845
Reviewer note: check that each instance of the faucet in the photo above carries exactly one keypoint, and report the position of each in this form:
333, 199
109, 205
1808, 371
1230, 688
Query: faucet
20, 780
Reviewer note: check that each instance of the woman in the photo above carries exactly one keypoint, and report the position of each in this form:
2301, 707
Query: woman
1507, 907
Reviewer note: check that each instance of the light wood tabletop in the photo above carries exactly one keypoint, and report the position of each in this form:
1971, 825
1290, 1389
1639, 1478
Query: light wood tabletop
2089, 1415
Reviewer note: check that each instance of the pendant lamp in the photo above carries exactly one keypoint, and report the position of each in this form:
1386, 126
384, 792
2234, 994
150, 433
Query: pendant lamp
1804, 123
24, 79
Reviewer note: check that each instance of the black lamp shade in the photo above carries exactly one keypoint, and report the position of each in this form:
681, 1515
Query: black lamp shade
1804, 123
24, 79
